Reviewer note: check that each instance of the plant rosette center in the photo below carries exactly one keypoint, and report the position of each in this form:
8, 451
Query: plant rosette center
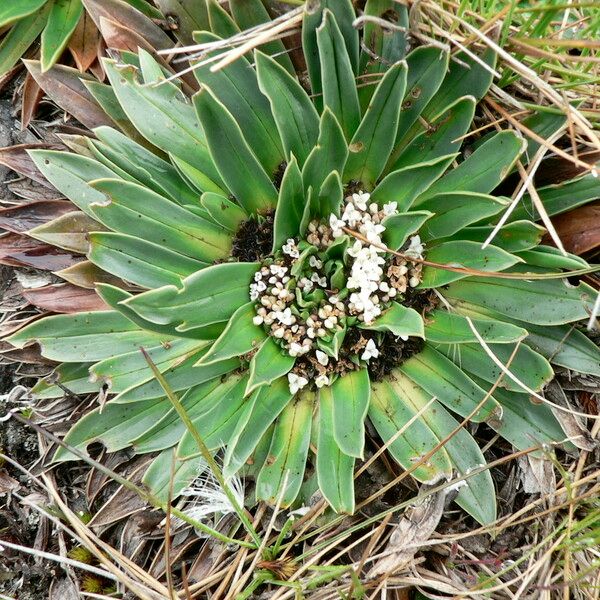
319, 297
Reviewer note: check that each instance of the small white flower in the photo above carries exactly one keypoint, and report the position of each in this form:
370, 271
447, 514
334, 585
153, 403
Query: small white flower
414, 281
297, 382
295, 349
313, 261
415, 248
258, 320
321, 381
322, 358
285, 316
371, 351
258, 276
390, 208
291, 249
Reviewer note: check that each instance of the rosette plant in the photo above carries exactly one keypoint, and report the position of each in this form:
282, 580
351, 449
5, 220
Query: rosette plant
302, 258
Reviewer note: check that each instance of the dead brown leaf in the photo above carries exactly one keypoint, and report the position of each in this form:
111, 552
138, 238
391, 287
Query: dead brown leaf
24, 217
31, 97
64, 298
7, 483
17, 159
579, 229
84, 42
20, 251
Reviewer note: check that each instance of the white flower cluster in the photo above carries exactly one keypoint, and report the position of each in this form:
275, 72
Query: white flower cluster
366, 276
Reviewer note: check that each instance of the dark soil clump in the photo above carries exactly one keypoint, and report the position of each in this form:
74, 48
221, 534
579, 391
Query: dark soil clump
254, 239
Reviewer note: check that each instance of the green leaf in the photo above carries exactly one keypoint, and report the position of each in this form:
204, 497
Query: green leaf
468, 255
541, 302
260, 411
443, 136
190, 16
328, 155
161, 114
330, 197
144, 166
390, 410
552, 258
239, 337
237, 164
404, 185
69, 231
335, 470
237, 88
313, 17
373, 141
223, 211
143, 263
441, 378
427, 67
166, 482
513, 237
527, 366
455, 210
350, 401
128, 207
250, 13
220, 21
281, 476
268, 364
295, 115
15, 11
84, 336
70, 174
290, 206
401, 225
559, 198
337, 76
62, 20
444, 327
20, 36
104, 95
399, 320
208, 296
484, 169
73, 376
115, 425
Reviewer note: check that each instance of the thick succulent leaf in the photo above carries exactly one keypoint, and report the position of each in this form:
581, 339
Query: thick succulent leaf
337, 75
404, 185
335, 470
562, 344
166, 478
552, 258
399, 320
330, 197
527, 366
15, 11
115, 425
208, 296
444, 327
73, 376
129, 207
463, 254
390, 410
85, 336
290, 206
145, 166
237, 164
525, 422
223, 211
439, 376
220, 21
328, 155
237, 88
123, 371
455, 210
62, 20
250, 13
373, 141
268, 364
427, 67
442, 138
104, 95
541, 302
401, 225
313, 17
70, 174
161, 115
545, 124
513, 237
69, 231
350, 397
260, 410
560, 198
295, 115
382, 44
189, 15
114, 297
143, 263
197, 400
239, 337
484, 169
20, 36
281, 476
